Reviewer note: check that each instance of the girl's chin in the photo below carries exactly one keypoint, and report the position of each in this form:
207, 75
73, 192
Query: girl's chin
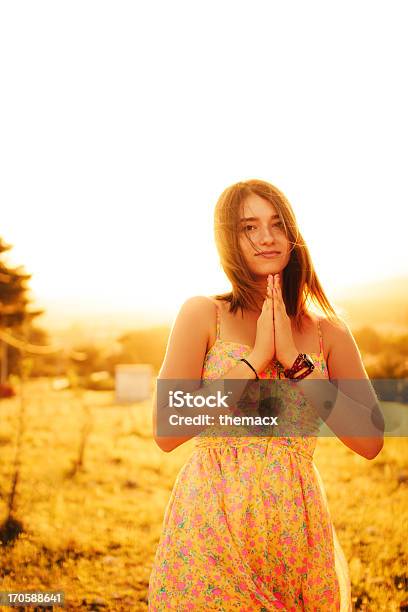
263, 276
270, 269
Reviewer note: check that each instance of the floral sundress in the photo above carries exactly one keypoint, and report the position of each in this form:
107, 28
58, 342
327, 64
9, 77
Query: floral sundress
247, 527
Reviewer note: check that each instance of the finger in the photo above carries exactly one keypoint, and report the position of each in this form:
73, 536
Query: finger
274, 281
275, 285
265, 302
268, 299
268, 302
275, 300
271, 289
279, 289
280, 306
280, 297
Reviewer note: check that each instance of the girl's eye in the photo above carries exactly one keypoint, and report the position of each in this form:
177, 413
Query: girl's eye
278, 224
248, 228
253, 228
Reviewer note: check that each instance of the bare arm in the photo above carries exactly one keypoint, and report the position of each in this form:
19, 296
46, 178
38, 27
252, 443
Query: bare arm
346, 366
350, 406
184, 360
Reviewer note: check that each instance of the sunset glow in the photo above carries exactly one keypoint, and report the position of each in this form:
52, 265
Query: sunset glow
112, 167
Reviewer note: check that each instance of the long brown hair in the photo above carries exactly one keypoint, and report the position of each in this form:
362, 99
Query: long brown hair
300, 283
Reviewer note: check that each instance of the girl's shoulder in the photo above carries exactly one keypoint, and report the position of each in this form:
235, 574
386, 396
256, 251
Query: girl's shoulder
201, 303
221, 305
203, 306
333, 331
325, 321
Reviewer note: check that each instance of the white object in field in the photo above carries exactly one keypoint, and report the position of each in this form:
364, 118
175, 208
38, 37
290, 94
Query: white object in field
60, 383
133, 382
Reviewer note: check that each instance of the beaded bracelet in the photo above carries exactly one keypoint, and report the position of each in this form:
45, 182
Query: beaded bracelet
301, 361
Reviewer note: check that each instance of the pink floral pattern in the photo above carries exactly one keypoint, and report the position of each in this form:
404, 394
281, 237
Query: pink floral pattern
246, 527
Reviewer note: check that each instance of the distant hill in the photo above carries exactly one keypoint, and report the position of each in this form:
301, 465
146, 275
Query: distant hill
382, 304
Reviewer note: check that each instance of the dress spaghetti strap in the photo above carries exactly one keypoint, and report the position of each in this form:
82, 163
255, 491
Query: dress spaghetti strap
218, 322
319, 329
218, 318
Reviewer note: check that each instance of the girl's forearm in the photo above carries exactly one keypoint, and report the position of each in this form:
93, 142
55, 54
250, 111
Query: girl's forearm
356, 418
165, 433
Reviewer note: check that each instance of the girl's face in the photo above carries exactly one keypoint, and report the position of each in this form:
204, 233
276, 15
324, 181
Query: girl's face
267, 234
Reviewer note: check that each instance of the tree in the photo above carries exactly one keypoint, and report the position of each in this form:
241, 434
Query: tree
14, 314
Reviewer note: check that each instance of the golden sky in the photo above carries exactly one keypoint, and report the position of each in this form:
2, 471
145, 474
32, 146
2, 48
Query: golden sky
122, 124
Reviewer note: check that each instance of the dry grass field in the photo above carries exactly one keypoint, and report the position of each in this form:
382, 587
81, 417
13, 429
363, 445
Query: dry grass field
92, 530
